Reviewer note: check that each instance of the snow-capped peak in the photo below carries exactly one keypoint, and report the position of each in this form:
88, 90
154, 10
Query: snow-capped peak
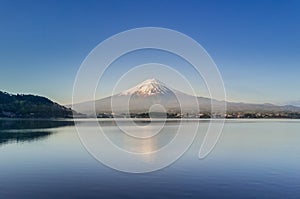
148, 87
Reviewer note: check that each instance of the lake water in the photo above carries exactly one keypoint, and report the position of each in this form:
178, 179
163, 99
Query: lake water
253, 159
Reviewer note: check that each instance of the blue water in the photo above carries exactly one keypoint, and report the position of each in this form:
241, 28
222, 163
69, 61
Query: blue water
253, 159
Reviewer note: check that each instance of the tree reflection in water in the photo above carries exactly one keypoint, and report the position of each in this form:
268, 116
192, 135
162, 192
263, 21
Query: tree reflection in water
13, 130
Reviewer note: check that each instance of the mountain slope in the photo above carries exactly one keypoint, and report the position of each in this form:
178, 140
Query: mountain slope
147, 88
30, 106
139, 99
150, 92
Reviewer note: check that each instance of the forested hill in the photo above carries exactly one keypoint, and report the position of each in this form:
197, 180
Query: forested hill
31, 106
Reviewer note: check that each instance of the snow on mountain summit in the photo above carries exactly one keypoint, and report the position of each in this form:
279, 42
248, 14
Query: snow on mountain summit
148, 87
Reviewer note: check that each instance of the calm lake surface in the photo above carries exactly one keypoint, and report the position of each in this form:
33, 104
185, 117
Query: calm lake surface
253, 159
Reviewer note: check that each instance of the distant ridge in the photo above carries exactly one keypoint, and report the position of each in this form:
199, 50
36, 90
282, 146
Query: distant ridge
152, 91
31, 106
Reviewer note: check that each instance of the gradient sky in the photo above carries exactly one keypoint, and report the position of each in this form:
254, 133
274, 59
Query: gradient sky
255, 44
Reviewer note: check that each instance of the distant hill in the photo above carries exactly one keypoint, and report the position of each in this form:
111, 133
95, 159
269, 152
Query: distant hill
31, 106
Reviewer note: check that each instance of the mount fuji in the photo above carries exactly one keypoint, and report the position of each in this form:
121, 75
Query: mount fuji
150, 87
143, 96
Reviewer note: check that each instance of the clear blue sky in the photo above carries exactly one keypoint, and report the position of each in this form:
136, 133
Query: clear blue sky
255, 44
